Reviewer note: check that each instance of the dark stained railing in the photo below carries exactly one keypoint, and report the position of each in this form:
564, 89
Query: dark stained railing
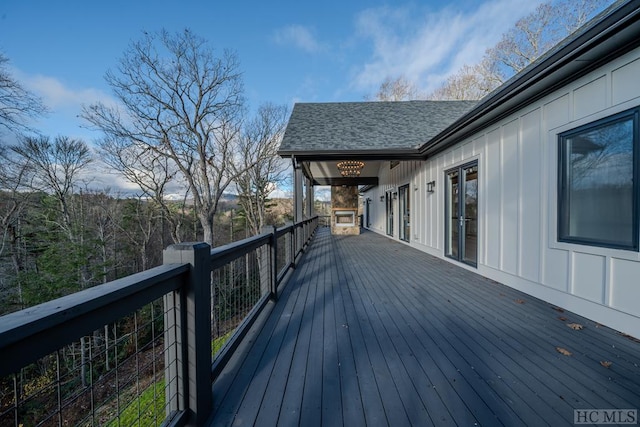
324, 220
142, 349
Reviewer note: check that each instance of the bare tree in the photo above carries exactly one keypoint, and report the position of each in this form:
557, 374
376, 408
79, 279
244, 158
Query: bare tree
53, 167
471, 82
539, 31
398, 89
14, 202
181, 104
17, 105
530, 38
139, 225
527, 40
153, 173
38, 210
260, 168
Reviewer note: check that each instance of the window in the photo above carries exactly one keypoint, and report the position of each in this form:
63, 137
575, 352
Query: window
598, 183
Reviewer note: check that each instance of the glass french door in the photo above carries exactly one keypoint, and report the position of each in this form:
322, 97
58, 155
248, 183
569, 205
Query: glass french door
390, 208
405, 223
367, 213
462, 214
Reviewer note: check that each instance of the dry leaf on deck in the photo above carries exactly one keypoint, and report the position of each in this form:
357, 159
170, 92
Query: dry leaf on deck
563, 351
606, 363
575, 326
520, 301
562, 318
558, 309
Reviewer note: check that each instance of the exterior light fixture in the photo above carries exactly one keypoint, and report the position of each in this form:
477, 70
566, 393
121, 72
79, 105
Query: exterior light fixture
382, 198
430, 186
350, 168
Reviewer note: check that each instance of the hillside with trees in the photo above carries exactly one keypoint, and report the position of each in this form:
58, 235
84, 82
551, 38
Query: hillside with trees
181, 125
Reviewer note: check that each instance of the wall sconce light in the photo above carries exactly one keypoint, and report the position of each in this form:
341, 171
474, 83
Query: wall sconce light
395, 195
430, 186
382, 198
415, 188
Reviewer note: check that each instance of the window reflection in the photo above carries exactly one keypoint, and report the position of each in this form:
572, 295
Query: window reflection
596, 188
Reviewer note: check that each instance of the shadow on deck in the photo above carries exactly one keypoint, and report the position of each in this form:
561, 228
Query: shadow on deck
369, 331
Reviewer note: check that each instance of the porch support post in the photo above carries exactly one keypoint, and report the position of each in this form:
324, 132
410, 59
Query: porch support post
309, 199
297, 192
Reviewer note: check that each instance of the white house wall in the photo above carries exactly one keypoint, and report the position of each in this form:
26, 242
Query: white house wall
517, 206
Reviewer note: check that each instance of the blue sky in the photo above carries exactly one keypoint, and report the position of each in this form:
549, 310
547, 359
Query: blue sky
289, 51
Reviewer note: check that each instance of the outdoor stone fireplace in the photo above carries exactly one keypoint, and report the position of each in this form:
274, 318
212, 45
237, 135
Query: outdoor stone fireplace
344, 210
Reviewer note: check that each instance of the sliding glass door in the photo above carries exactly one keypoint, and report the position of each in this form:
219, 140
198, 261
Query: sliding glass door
461, 215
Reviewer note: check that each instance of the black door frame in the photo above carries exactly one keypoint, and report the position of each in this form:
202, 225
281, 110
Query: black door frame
390, 217
404, 212
461, 214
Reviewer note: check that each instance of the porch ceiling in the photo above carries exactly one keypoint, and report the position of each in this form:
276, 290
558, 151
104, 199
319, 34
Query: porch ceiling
327, 173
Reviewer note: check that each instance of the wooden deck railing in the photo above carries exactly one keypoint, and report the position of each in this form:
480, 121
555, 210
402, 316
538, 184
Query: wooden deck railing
199, 300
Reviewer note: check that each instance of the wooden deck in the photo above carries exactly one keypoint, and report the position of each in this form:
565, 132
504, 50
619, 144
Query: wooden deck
371, 332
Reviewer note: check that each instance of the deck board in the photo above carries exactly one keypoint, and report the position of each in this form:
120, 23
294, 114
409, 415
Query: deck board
577, 370
369, 331
350, 391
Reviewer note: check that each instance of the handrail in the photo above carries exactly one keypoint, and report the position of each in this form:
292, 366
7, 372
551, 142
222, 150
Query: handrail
238, 249
29, 334
184, 282
223, 254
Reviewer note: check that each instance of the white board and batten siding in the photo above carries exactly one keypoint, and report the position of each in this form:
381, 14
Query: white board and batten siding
517, 232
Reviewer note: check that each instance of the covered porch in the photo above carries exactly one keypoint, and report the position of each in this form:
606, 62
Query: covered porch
372, 136
369, 331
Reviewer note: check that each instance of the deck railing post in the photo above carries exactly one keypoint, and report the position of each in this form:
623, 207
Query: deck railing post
264, 267
292, 250
296, 240
274, 264
304, 235
300, 242
190, 335
172, 352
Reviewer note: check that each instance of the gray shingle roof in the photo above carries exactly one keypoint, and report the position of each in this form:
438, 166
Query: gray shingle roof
364, 126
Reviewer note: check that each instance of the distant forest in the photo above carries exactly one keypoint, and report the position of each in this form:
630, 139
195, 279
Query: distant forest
45, 253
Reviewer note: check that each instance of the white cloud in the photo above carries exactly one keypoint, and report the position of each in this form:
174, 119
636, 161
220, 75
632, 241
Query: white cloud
426, 47
64, 104
298, 36
98, 177
58, 96
281, 193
